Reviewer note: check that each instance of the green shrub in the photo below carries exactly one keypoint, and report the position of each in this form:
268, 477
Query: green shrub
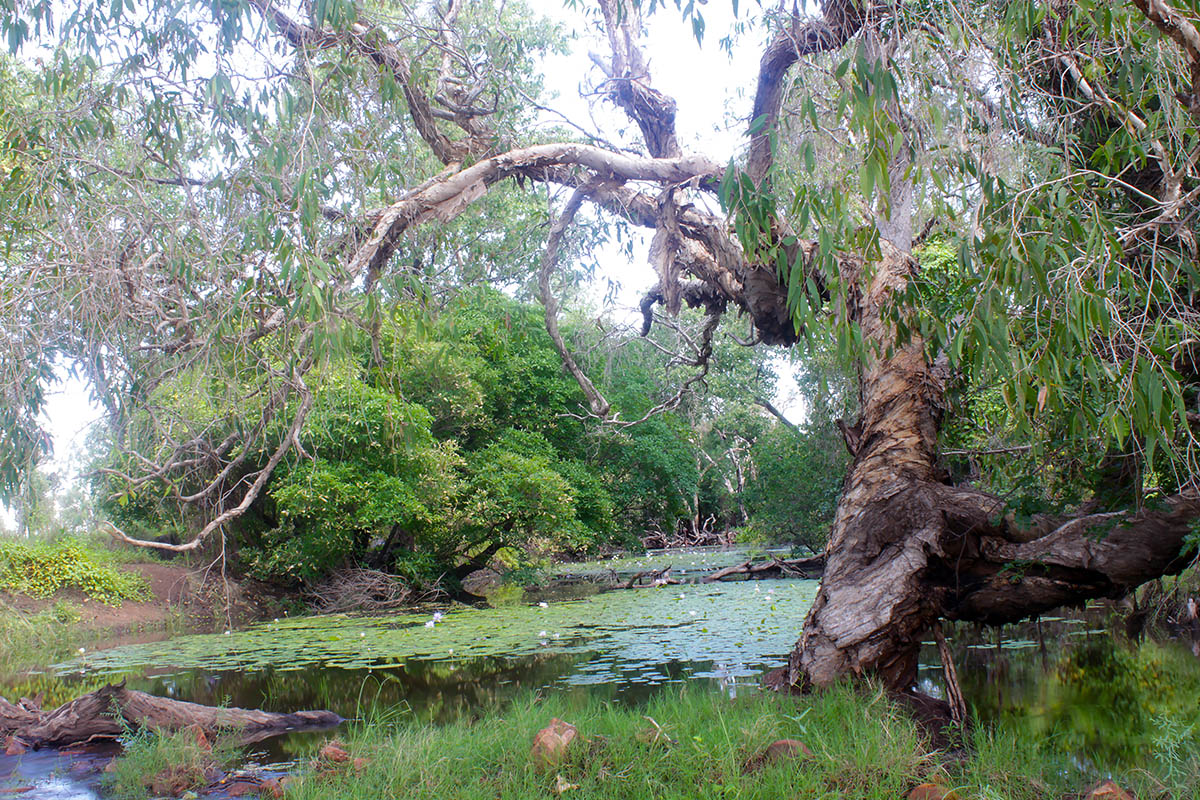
40, 570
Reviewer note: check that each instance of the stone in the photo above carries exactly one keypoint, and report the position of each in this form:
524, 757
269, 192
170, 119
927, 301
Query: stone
272, 788
550, 744
333, 751
786, 748
16, 747
932, 791
239, 787
777, 750
1107, 790
360, 764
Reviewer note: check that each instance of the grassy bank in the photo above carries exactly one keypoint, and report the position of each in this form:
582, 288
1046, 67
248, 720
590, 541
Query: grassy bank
690, 743
41, 585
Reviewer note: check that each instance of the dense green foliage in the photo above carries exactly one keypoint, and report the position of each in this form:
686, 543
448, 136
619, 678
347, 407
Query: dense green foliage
41, 569
442, 441
795, 494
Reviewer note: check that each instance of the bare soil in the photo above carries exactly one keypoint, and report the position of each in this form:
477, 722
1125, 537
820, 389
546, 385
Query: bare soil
202, 596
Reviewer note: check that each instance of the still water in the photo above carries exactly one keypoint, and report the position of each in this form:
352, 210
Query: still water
1064, 677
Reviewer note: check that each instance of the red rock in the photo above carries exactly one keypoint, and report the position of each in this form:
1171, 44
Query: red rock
333, 751
360, 764
786, 748
16, 747
551, 742
272, 788
1107, 790
239, 787
932, 791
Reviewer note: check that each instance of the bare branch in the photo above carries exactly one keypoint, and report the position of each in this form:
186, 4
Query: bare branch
599, 406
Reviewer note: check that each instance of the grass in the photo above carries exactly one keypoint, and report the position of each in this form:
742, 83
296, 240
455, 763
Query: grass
156, 764
863, 747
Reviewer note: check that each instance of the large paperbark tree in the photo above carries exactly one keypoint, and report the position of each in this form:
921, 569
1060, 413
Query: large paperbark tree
908, 548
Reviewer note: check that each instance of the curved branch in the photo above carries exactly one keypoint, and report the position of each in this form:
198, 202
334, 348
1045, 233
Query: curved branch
798, 38
599, 406
248, 499
1011, 573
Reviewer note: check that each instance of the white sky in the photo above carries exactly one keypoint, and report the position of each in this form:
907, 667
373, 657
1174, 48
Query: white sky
714, 94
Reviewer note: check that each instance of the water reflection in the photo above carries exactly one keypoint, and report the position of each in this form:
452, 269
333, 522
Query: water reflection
1091, 694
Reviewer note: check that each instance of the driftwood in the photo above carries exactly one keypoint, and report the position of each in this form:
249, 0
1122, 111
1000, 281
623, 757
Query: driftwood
112, 710
775, 568
656, 577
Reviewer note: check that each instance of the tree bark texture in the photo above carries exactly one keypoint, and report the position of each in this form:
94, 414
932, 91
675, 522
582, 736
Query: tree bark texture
109, 712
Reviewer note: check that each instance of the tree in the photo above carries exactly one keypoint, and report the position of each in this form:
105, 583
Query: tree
1049, 142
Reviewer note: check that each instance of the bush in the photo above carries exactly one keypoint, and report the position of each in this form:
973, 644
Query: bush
40, 570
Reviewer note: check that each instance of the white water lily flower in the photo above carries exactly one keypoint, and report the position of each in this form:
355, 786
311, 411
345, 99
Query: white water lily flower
227, 633
82, 651
543, 604
362, 636
437, 616
541, 634
430, 624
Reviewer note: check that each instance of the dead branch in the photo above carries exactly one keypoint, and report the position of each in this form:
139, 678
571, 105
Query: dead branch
599, 406
109, 712
807, 568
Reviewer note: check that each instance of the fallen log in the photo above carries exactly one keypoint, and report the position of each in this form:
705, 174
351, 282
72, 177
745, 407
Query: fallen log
775, 568
656, 577
112, 710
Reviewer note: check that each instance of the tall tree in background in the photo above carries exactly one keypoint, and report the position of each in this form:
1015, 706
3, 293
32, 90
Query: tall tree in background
241, 183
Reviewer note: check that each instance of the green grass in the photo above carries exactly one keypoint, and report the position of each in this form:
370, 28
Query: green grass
29, 640
863, 747
156, 764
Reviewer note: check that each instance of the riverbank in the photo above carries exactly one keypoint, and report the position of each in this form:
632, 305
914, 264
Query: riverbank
687, 743
166, 598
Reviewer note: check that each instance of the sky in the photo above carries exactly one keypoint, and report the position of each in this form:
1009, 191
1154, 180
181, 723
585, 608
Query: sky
714, 93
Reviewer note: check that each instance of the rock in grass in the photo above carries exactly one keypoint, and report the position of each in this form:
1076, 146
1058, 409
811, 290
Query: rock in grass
777, 750
932, 791
16, 747
786, 748
550, 744
1107, 790
333, 751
